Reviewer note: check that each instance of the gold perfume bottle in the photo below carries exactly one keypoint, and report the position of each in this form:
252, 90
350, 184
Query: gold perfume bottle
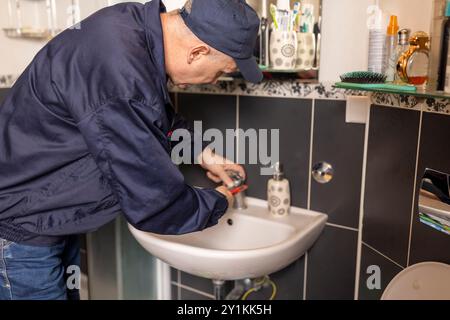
412, 66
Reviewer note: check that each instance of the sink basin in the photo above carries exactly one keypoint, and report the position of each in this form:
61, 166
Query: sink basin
244, 244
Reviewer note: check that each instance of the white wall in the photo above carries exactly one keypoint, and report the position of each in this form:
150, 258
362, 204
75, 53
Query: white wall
413, 14
344, 35
16, 54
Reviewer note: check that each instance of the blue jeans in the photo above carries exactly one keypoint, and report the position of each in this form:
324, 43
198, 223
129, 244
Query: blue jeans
39, 273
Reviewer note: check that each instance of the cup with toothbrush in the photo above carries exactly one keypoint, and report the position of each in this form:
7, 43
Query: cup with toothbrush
283, 39
306, 41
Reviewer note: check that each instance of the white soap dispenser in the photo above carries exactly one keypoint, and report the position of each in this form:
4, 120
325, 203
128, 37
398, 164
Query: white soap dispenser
278, 192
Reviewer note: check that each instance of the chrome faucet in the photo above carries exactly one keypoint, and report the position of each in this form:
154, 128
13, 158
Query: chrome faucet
237, 189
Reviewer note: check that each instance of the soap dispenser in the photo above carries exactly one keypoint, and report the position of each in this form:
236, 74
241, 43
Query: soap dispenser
278, 192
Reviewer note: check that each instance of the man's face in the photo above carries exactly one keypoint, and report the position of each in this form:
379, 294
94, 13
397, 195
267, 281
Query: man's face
203, 65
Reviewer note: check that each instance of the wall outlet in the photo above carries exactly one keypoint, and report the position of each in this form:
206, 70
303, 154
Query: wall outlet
357, 109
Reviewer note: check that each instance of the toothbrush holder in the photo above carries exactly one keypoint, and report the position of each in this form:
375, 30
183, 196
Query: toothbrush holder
306, 50
283, 49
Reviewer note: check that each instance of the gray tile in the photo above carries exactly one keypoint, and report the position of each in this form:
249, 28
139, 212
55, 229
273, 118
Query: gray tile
293, 118
428, 244
289, 283
198, 283
173, 274
332, 265
342, 145
391, 161
388, 270
191, 295
174, 292
215, 111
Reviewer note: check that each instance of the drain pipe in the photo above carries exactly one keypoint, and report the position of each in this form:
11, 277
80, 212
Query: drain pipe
219, 290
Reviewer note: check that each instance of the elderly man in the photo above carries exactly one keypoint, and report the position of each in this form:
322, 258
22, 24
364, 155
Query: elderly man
85, 134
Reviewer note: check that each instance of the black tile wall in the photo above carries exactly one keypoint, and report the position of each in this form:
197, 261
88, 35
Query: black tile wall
174, 292
342, 145
190, 295
428, 244
391, 160
198, 283
174, 274
332, 260
331, 265
293, 118
215, 111
202, 284
388, 270
289, 282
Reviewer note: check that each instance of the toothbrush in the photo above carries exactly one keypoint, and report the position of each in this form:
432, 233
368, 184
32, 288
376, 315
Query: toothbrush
273, 13
295, 15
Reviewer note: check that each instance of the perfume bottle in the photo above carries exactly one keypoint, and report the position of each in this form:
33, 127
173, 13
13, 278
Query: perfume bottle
412, 66
402, 47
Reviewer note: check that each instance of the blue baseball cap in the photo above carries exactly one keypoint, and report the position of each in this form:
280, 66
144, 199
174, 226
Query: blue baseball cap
230, 26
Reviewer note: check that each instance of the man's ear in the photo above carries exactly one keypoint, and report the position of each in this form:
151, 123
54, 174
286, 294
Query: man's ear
197, 52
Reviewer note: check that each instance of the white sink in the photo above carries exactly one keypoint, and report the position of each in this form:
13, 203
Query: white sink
244, 244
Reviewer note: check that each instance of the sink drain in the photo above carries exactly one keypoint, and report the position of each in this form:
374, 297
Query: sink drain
230, 222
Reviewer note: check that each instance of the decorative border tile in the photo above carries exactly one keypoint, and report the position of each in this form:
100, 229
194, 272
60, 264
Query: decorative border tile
397, 100
271, 88
7, 80
301, 90
326, 90
437, 105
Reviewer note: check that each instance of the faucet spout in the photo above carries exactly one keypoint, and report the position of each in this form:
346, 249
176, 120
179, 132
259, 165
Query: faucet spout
237, 189
239, 201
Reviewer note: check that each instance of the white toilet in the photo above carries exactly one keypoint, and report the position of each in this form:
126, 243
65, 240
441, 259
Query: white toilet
422, 281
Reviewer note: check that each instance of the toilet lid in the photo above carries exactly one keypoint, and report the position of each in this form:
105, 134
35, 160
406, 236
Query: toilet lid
422, 281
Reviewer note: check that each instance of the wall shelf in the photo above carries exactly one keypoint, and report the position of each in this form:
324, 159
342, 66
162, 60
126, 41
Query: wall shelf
421, 93
279, 74
273, 70
38, 34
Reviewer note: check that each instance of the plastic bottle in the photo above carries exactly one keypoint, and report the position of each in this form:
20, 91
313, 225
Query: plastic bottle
391, 46
278, 192
377, 41
403, 45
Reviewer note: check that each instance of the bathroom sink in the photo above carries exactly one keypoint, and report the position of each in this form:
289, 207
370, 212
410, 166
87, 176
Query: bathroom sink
244, 244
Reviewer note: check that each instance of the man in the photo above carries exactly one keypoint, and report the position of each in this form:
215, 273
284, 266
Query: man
85, 134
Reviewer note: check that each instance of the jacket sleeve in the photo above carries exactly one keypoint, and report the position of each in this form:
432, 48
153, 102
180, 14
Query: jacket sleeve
132, 152
179, 122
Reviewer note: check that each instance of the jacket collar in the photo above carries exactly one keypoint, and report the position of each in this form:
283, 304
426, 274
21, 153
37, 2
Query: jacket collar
155, 41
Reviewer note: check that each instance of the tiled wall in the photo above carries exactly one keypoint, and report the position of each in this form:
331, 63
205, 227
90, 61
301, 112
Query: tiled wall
401, 143
310, 131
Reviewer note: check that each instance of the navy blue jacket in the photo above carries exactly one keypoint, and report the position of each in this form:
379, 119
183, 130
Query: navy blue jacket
84, 135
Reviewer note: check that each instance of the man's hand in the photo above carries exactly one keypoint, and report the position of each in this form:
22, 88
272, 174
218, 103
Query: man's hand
217, 165
223, 190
